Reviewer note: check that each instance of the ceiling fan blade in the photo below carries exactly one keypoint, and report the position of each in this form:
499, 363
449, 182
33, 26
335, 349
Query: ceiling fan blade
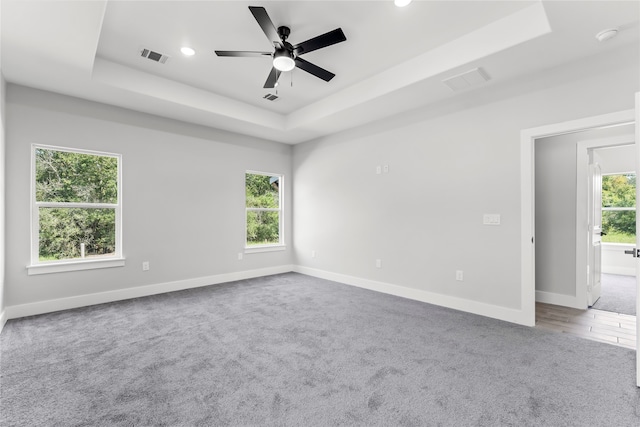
314, 69
274, 75
241, 53
260, 13
324, 40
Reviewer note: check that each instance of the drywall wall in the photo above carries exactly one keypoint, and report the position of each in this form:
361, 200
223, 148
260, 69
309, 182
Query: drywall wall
555, 204
183, 194
448, 166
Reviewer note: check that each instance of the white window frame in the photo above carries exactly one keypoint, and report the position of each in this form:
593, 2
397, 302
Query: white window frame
280, 246
609, 209
46, 267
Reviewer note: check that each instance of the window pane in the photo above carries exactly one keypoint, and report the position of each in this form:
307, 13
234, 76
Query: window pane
262, 191
263, 228
75, 177
64, 230
620, 226
619, 191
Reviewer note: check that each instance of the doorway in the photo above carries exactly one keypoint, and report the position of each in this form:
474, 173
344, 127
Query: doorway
528, 231
567, 239
618, 213
605, 214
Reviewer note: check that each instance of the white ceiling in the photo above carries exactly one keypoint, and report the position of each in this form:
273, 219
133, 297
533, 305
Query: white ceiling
394, 59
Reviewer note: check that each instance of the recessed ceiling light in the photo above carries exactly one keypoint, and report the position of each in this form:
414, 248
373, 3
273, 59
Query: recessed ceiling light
401, 3
607, 34
187, 51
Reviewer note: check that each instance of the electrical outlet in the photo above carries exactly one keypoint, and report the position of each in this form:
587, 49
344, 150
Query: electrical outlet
459, 275
378, 263
240, 256
313, 254
145, 266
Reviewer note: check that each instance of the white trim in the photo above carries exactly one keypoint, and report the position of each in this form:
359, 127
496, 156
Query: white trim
35, 206
76, 205
280, 210
470, 306
582, 226
559, 299
622, 271
527, 193
85, 264
3, 319
636, 117
264, 248
41, 307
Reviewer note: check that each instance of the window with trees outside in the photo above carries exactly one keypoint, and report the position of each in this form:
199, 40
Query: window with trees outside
263, 216
619, 208
76, 209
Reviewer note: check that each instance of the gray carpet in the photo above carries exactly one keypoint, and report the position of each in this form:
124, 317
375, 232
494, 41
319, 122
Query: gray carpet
292, 350
618, 294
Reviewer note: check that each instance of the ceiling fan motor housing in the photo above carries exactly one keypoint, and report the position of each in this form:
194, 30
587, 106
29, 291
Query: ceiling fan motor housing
284, 32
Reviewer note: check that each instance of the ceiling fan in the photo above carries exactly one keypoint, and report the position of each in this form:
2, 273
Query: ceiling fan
287, 56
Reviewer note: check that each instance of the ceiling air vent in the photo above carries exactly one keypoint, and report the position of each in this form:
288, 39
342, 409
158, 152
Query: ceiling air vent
467, 79
154, 56
270, 97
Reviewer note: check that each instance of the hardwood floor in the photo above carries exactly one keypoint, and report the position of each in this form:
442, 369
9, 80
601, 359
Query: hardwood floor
597, 325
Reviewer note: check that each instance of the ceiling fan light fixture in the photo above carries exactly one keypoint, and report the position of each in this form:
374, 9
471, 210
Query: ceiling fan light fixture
401, 3
283, 61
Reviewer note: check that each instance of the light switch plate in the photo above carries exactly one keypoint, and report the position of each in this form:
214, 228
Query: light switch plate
491, 219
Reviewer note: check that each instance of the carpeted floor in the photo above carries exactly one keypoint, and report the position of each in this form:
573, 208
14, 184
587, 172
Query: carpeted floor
618, 294
292, 350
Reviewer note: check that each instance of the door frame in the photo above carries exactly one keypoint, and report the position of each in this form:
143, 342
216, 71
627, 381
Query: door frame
582, 175
527, 195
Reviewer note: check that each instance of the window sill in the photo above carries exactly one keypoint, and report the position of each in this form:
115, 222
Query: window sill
60, 267
266, 248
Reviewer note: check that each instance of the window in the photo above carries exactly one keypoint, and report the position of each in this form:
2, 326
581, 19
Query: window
619, 208
76, 210
263, 217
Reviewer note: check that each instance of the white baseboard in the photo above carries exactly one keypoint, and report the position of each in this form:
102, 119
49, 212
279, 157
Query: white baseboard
41, 307
475, 307
483, 309
624, 271
3, 319
560, 299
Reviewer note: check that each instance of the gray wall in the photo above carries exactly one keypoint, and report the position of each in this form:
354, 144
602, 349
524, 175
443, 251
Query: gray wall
447, 167
183, 189
555, 203
183, 194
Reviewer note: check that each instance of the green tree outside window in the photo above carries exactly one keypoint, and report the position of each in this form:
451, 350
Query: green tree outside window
619, 208
76, 195
263, 209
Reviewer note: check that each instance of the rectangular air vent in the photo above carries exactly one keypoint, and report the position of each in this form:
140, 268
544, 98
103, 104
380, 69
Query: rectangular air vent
270, 97
467, 79
154, 56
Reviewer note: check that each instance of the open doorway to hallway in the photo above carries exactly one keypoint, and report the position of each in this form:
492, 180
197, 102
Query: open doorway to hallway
574, 270
529, 239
